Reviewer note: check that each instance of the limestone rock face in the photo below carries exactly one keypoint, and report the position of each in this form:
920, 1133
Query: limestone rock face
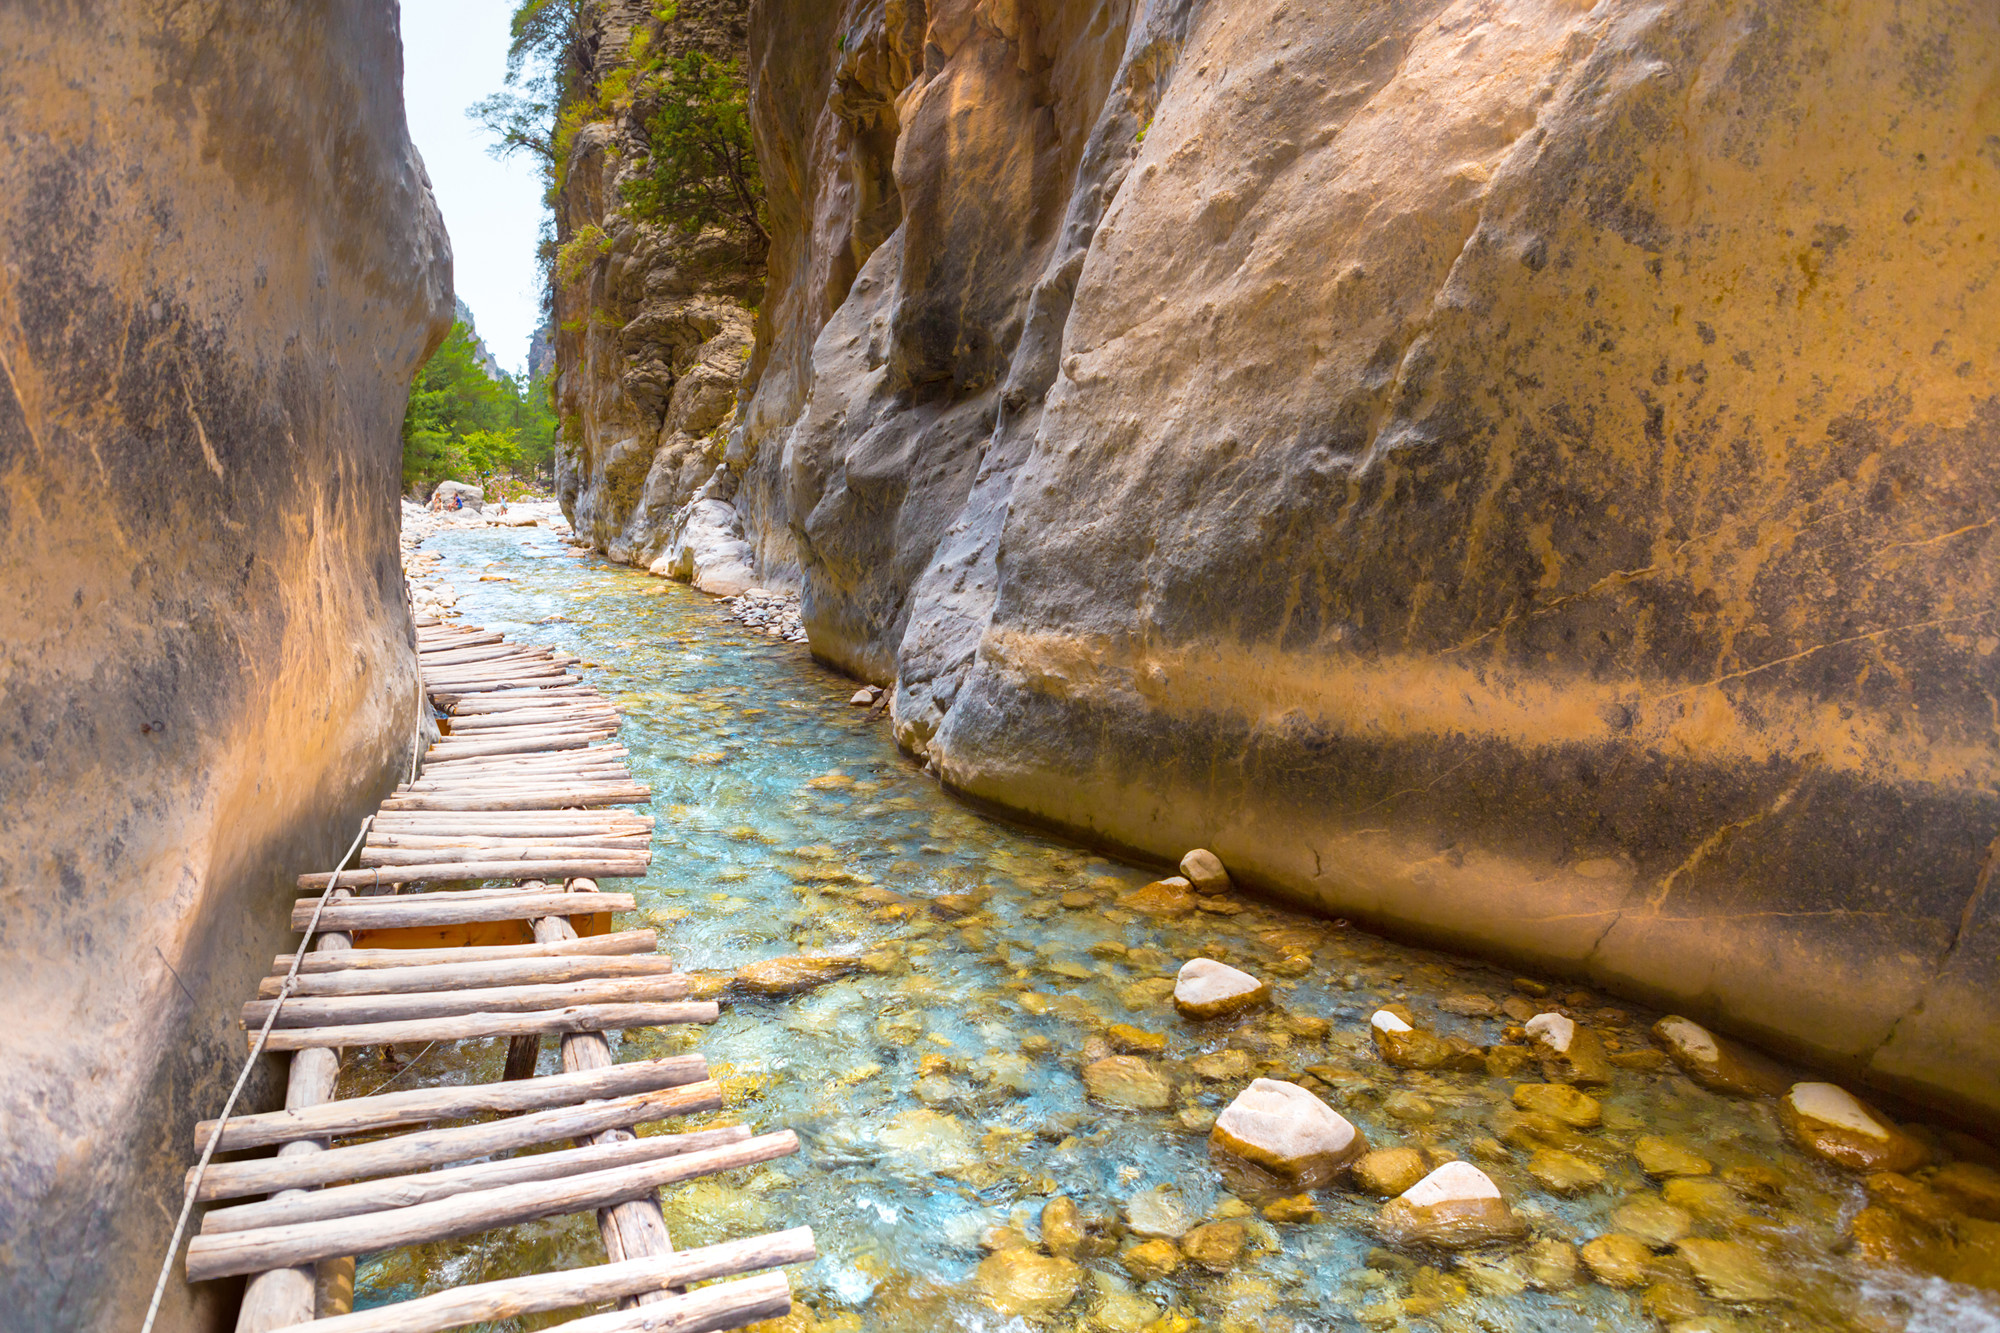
1595, 406
652, 333
220, 265
1287, 1131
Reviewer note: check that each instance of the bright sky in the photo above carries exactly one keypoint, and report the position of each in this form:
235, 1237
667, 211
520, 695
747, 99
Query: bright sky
454, 53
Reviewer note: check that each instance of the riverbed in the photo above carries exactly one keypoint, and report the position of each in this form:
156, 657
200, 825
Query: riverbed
938, 1089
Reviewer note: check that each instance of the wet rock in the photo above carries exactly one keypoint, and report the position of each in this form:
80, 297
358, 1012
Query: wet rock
1020, 1282
1207, 989
864, 696
1126, 1080
1569, 1053
1671, 1299
1551, 1265
1408, 1106
932, 1140
1507, 1061
1652, 1219
1618, 1260
1560, 1102
1128, 1040
1151, 1260
1967, 1251
1216, 1246
1455, 1207
1146, 994
1283, 1129
1730, 1270
1203, 870
1221, 1066
1164, 897
1158, 1213
1402, 1044
1469, 1005
1117, 1308
1717, 1063
790, 976
1292, 1210
1062, 1227
1387, 1172
1973, 1189
1563, 1173
1667, 1157
1831, 1123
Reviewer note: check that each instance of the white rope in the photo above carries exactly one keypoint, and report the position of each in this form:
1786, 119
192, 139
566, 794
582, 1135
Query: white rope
284, 992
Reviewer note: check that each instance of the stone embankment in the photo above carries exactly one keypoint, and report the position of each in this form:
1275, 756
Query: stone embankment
1522, 485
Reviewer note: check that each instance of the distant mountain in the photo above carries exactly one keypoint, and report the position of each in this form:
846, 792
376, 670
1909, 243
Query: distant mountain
487, 362
542, 352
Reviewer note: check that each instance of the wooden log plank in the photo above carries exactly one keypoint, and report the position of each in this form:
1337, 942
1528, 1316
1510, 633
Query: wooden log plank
486, 703
462, 639
484, 662
488, 685
584, 773
226, 1253
577, 1018
373, 1196
525, 717
624, 942
710, 1309
361, 1115
554, 761
432, 1147
429, 659
544, 851
378, 876
437, 842
551, 802
339, 1010
467, 976
446, 908
511, 1298
444, 750
446, 823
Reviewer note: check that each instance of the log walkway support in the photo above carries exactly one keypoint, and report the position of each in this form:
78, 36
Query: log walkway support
524, 795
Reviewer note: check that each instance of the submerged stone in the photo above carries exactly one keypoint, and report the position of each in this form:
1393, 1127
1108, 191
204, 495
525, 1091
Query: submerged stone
1163, 897
1387, 1172
1973, 1189
1455, 1207
1062, 1227
1126, 1080
1717, 1063
1666, 1157
1618, 1260
1287, 1131
1830, 1122
1158, 1212
1128, 1040
1652, 1219
1569, 1054
1564, 1173
789, 976
1216, 1246
1151, 1260
1731, 1270
1021, 1282
1207, 989
1560, 1102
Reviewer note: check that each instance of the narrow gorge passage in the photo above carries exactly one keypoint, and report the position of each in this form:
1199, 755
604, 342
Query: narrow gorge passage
937, 1072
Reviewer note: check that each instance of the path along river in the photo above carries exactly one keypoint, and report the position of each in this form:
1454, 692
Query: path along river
939, 1094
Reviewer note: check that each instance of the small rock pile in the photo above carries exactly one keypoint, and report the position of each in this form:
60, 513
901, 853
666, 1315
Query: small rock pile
774, 613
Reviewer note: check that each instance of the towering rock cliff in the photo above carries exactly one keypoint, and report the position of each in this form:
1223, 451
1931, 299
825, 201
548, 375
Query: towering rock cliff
653, 327
222, 266
1518, 474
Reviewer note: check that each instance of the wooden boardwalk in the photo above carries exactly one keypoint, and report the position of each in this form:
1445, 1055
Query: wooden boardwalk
525, 786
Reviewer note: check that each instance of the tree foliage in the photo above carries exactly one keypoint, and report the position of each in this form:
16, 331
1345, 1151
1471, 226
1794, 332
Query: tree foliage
463, 425
701, 169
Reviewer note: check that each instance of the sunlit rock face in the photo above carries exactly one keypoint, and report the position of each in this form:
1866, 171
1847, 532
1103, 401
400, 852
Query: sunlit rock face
653, 330
222, 265
1517, 474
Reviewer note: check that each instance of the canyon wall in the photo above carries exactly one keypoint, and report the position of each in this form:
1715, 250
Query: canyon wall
652, 326
1519, 475
222, 267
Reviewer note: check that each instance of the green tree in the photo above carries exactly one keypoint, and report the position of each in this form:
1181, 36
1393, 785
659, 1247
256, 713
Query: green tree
463, 425
701, 168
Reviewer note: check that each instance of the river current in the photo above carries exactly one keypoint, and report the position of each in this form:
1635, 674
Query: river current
937, 1089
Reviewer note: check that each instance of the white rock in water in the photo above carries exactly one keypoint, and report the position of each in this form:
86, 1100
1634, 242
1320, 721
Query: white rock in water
1831, 1105
1204, 870
864, 696
1285, 1129
1694, 1039
1552, 1030
1208, 989
1388, 1022
1450, 1182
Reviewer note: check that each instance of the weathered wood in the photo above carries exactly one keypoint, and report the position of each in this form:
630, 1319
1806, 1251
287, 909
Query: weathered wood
526, 717
446, 908
338, 1010
465, 655
547, 851
587, 765
614, 866
622, 943
507, 659
486, 702
223, 1254
527, 731
519, 823
360, 1115
559, 759
373, 1196
607, 774
433, 842
708, 1309
523, 1054
467, 975
444, 750
511, 1298
431, 1147
557, 800
576, 1018
454, 641
489, 684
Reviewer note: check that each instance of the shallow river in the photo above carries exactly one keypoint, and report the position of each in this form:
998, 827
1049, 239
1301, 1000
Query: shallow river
938, 1091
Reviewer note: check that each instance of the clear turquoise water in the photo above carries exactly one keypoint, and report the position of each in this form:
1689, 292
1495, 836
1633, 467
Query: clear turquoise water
939, 1094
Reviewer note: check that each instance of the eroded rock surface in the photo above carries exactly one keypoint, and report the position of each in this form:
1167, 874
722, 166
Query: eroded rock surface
221, 267
1588, 404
